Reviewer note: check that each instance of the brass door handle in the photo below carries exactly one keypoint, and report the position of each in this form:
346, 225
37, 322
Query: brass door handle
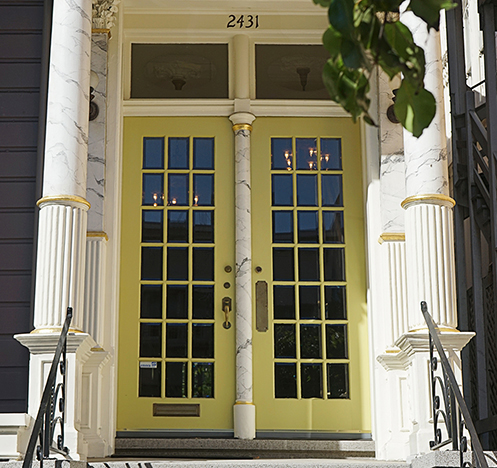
226, 310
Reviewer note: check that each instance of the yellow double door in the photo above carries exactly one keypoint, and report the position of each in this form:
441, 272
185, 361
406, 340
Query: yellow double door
176, 361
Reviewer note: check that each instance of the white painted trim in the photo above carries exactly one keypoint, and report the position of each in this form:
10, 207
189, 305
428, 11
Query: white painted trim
225, 107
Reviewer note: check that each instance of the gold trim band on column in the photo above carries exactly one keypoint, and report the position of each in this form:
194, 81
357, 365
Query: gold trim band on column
391, 237
242, 126
434, 198
440, 329
244, 403
97, 234
63, 198
101, 31
47, 330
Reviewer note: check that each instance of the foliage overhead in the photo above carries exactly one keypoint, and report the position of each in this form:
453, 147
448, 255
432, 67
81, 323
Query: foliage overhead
366, 33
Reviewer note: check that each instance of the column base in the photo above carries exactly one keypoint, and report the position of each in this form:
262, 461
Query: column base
244, 420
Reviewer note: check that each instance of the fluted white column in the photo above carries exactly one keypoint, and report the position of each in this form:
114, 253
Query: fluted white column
63, 208
244, 410
429, 231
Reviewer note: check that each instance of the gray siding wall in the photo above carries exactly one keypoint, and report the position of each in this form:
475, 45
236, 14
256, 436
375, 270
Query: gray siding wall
21, 24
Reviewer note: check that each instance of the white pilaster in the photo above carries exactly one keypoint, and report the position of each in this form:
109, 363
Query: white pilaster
244, 409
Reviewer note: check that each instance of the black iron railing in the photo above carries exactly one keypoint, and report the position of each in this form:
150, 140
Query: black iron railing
51, 413
449, 407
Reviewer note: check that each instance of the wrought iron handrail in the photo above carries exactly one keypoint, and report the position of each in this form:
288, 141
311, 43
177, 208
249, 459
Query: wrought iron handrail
46, 421
454, 403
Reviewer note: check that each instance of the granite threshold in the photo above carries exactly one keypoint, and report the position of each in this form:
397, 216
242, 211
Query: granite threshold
243, 449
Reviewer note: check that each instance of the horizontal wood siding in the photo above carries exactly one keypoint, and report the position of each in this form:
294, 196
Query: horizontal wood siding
21, 24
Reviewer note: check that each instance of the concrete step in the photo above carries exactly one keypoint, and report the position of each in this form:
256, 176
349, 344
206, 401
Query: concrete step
242, 449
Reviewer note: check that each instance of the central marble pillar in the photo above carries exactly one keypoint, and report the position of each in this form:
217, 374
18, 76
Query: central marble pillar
244, 409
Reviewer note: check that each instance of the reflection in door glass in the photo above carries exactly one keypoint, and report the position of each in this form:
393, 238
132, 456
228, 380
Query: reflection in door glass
285, 380
177, 194
176, 379
281, 153
309, 302
308, 225
310, 341
335, 308
307, 153
282, 226
153, 153
331, 154
203, 340
284, 302
283, 264
151, 340
312, 380
282, 190
203, 189
333, 227
151, 268
332, 189
203, 302
203, 226
308, 264
307, 190
153, 190
176, 340
151, 301
338, 380
152, 226
284, 341
177, 226
203, 380
178, 153
177, 263
203, 264
203, 153
149, 379
336, 342
177, 301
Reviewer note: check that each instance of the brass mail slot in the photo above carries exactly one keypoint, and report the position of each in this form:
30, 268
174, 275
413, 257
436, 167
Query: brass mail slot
181, 410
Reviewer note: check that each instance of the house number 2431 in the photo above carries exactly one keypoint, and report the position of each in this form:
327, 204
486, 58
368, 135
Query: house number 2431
243, 21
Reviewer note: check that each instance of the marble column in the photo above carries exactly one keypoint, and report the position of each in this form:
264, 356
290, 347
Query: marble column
430, 264
63, 208
429, 226
244, 409
61, 247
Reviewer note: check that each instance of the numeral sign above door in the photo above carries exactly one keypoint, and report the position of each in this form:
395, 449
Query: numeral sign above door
243, 21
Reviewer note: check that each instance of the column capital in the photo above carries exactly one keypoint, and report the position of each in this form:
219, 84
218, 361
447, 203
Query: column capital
242, 118
71, 200
104, 15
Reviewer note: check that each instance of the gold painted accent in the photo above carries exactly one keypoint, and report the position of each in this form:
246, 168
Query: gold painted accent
97, 234
47, 330
434, 197
101, 31
244, 403
97, 350
62, 198
241, 126
440, 329
392, 351
392, 236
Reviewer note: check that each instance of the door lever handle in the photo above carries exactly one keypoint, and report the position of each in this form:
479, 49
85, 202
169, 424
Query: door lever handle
226, 310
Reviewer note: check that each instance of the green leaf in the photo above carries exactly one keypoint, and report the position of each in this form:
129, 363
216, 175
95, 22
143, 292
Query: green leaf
324, 3
341, 16
352, 54
429, 10
332, 41
415, 108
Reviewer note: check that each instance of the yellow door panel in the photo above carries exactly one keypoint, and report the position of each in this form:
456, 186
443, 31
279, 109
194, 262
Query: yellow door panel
176, 364
311, 365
